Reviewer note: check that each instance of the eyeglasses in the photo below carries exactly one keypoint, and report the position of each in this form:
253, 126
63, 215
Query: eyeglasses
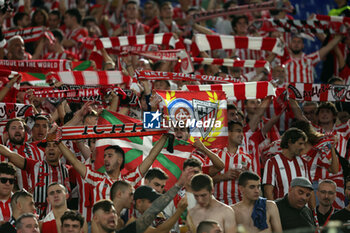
4, 180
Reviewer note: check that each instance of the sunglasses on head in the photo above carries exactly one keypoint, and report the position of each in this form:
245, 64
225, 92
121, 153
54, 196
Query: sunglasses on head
4, 180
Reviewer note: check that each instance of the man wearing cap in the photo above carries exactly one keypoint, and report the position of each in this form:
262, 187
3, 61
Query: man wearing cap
292, 207
143, 197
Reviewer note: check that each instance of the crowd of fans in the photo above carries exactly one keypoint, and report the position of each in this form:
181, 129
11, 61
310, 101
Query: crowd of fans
278, 172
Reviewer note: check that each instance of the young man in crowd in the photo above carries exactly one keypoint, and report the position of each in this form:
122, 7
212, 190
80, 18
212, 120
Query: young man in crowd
156, 178
254, 212
72, 222
208, 207
27, 223
7, 180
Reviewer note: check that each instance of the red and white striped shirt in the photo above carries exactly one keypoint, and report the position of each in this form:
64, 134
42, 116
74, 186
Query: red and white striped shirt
248, 54
227, 191
279, 172
42, 174
102, 183
27, 150
49, 223
5, 210
76, 35
302, 70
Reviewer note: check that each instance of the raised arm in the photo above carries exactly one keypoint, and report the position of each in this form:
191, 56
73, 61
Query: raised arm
218, 164
146, 164
161, 202
68, 154
298, 113
16, 159
253, 123
331, 44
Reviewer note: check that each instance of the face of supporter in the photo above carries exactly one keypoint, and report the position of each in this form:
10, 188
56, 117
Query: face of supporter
93, 29
90, 120
156, 184
232, 115
251, 190
310, 113
53, 21
27, 205
25, 22
30, 225
216, 229
40, 130
39, 19
16, 50
296, 45
252, 106
52, 152
128, 197
71, 226
326, 194
297, 147
166, 12
6, 189
203, 197
299, 196
16, 133
161, 85
107, 220
149, 11
236, 135
68, 20
143, 204
112, 160
347, 190
181, 133
278, 73
241, 27
131, 11
56, 196
325, 116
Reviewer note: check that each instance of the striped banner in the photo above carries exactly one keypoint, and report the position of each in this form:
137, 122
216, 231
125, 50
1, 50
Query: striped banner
91, 77
231, 62
237, 91
157, 39
30, 34
212, 42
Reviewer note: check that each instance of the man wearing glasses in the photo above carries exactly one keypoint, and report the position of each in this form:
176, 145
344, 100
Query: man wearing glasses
326, 194
7, 179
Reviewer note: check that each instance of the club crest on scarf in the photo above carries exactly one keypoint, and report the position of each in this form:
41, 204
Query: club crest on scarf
202, 112
339, 92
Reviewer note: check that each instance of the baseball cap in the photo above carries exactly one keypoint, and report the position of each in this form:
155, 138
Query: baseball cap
146, 192
302, 182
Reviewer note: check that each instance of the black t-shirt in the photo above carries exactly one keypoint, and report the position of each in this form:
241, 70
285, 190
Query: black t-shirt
8, 228
131, 228
323, 218
292, 218
342, 215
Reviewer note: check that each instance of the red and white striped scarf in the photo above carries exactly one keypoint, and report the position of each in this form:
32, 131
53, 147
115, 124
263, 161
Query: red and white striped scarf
91, 77
36, 66
231, 62
335, 19
12, 110
104, 131
30, 34
238, 91
319, 92
158, 39
160, 75
212, 42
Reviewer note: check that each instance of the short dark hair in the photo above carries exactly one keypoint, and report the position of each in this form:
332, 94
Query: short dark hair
56, 183
247, 175
237, 18
118, 185
335, 79
13, 120
58, 34
55, 12
156, 172
192, 162
74, 12
131, 2
292, 135
74, 216
165, 4
8, 169
41, 117
327, 105
19, 16
232, 123
19, 224
17, 195
206, 226
117, 150
88, 19
202, 181
105, 205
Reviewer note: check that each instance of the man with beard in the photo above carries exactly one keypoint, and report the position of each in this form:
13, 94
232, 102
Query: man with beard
41, 173
300, 67
14, 139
